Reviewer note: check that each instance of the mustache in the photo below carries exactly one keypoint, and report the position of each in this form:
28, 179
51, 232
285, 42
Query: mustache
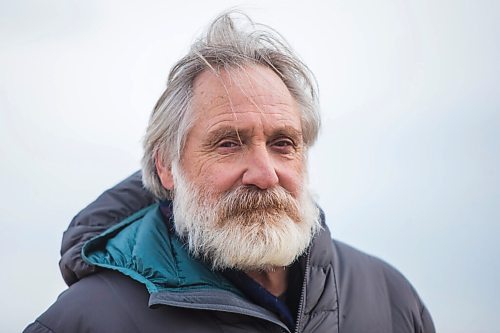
248, 200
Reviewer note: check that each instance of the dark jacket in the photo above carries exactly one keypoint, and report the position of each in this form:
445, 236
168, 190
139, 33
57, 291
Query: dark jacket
126, 284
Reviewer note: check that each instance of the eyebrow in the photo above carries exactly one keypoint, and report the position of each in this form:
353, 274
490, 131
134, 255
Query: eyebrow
242, 134
226, 132
289, 131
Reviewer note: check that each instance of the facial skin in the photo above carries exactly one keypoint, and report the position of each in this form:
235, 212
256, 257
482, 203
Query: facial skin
247, 132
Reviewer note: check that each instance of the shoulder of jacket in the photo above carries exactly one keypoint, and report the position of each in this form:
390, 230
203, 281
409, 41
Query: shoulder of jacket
97, 303
351, 258
37, 327
362, 268
362, 277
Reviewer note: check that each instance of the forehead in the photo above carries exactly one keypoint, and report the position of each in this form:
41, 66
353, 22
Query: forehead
241, 96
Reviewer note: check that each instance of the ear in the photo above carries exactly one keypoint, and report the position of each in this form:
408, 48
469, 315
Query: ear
165, 174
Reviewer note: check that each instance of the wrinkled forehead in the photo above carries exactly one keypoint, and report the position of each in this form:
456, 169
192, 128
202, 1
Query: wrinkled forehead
249, 84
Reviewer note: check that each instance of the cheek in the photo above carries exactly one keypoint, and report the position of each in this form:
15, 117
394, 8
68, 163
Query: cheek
220, 179
292, 178
292, 181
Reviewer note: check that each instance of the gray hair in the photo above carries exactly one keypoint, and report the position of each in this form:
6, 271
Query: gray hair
232, 40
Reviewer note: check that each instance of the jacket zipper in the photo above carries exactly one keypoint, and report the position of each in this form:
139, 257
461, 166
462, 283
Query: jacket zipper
303, 292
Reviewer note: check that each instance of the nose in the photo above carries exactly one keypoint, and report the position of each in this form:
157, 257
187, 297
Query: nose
260, 170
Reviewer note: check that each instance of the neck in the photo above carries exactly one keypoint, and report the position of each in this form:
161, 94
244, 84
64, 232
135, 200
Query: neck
274, 280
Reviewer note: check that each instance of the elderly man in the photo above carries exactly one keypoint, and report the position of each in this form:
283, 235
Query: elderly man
225, 237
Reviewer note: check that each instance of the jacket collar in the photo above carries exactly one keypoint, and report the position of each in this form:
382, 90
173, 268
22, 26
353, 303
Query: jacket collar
143, 248
319, 296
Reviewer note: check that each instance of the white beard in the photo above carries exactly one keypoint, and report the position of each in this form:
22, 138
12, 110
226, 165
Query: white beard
244, 228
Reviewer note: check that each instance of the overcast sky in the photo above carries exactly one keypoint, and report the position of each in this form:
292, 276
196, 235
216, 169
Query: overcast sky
406, 167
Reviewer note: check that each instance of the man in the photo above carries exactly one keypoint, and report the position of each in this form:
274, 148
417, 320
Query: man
230, 239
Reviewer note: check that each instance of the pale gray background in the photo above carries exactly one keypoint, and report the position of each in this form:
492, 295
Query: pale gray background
406, 167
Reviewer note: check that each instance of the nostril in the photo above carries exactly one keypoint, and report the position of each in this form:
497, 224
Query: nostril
260, 177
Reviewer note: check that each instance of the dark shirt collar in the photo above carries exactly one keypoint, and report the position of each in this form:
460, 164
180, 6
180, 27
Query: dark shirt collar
260, 296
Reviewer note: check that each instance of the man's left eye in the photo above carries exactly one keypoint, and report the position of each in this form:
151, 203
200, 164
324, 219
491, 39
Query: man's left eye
284, 144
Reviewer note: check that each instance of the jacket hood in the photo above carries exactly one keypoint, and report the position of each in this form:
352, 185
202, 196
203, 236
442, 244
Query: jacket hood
111, 207
145, 248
